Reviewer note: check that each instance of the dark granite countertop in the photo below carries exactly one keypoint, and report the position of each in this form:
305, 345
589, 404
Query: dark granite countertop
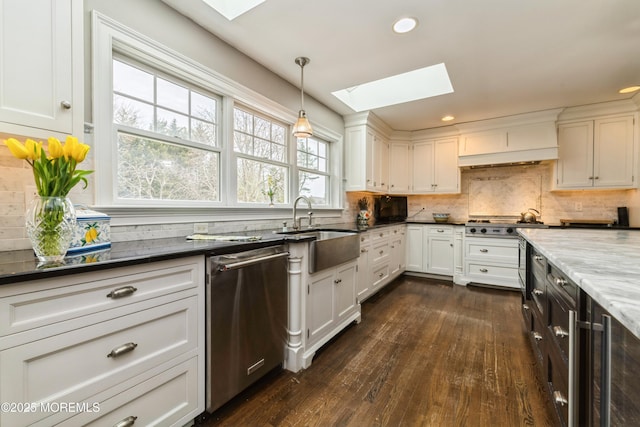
20, 266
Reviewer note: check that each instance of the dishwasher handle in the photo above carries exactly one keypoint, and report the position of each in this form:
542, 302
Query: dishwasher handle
251, 261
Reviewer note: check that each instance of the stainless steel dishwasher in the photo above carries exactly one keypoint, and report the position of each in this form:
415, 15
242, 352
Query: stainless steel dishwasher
246, 306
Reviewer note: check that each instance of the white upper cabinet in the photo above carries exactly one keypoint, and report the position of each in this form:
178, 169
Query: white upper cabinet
41, 67
596, 154
399, 181
366, 154
435, 166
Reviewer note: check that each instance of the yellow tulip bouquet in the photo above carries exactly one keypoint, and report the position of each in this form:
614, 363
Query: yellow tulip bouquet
50, 225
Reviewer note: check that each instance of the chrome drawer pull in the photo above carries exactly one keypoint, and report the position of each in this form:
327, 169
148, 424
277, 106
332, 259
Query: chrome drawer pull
337, 281
381, 275
121, 292
483, 270
559, 332
538, 258
537, 292
537, 336
381, 252
363, 250
440, 230
525, 306
124, 348
484, 250
127, 422
561, 282
559, 398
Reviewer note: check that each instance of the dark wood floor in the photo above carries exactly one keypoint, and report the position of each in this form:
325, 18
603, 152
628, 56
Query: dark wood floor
427, 353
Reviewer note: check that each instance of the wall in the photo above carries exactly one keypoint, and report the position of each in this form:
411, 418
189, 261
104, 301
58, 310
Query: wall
180, 34
553, 205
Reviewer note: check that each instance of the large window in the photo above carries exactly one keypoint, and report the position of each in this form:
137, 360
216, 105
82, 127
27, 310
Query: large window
313, 170
261, 150
167, 144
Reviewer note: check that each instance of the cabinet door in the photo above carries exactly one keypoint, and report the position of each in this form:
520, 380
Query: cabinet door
363, 287
320, 296
613, 152
380, 163
399, 167
415, 248
36, 64
446, 175
423, 155
345, 293
440, 255
575, 155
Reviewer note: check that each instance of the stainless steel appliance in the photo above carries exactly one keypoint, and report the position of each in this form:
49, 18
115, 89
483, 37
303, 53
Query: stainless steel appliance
499, 228
246, 309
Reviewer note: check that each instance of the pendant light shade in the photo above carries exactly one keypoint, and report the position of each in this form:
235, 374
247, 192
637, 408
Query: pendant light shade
302, 128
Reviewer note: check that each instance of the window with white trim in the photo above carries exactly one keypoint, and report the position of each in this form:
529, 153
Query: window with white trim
313, 170
262, 167
167, 136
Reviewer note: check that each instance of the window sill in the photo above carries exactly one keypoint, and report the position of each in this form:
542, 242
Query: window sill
128, 215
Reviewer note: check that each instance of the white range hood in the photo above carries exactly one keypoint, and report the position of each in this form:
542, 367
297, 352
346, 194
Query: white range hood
520, 139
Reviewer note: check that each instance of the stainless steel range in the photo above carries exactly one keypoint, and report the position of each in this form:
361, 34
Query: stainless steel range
488, 228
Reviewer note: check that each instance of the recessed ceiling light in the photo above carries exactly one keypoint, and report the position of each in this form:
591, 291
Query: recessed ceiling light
404, 25
447, 118
231, 9
410, 86
629, 89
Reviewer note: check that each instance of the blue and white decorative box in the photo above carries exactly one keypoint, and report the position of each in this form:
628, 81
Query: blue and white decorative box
92, 233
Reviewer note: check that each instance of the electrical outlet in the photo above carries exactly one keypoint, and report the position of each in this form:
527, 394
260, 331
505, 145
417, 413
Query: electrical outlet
201, 228
578, 206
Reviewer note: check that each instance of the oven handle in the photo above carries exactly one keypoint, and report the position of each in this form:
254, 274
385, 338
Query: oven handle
252, 261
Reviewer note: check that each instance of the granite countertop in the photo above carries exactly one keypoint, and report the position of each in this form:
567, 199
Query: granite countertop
603, 263
19, 266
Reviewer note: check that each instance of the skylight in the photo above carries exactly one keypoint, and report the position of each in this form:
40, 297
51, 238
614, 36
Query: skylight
411, 86
231, 9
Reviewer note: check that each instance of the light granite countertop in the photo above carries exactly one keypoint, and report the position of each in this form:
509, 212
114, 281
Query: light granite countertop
604, 263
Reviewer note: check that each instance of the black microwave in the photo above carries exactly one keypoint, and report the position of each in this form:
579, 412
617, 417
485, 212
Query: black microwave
389, 208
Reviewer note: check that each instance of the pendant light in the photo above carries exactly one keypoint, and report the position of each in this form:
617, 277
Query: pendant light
302, 128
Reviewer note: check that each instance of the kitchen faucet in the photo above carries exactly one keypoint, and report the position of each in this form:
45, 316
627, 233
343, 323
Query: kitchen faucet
297, 222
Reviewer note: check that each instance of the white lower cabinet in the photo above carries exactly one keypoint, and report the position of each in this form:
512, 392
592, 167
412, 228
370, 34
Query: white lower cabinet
331, 297
430, 249
492, 261
382, 258
106, 340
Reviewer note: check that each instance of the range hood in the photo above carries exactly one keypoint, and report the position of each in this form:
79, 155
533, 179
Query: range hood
516, 140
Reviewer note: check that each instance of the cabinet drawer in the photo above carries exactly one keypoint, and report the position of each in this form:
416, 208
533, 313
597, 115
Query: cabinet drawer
380, 275
538, 337
557, 375
559, 324
493, 271
380, 252
169, 398
539, 291
538, 263
564, 287
76, 365
440, 231
507, 254
365, 238
380, 234
46, 302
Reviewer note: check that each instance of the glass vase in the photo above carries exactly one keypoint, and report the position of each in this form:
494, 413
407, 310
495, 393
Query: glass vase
50, 224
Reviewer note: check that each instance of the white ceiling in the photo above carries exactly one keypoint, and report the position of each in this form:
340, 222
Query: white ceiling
504, 57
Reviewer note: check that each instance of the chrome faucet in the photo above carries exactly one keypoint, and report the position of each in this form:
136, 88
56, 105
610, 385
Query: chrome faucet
297, 222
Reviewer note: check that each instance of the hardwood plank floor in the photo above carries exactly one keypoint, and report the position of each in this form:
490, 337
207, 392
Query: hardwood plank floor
427, 353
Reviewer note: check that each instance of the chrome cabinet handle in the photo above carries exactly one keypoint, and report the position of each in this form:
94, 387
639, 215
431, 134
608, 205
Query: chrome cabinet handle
381, 252
440, 230
559, 398
65, 104
559, 332
537, 336
121, 292
337, 281
483, 270
364, 250
561, 282
484, 250
538, 258
537, 292
381, 275
127, 422
525, 306
124, 348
